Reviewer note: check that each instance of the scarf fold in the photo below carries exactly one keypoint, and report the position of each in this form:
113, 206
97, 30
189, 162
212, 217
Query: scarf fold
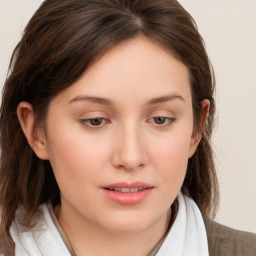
187, 236
43, 239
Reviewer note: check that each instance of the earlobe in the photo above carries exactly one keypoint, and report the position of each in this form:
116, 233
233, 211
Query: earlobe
195, 139
35, 135
197, 133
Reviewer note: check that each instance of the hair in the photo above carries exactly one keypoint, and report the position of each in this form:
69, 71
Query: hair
60, 42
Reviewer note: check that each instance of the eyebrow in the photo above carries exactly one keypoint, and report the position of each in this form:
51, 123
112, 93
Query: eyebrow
107, 102
170, 97
97, 100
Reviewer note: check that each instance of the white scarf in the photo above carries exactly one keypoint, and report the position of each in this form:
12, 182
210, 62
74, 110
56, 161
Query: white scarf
187, 236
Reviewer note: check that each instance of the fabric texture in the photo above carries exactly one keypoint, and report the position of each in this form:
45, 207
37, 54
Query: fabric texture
225, 241
187, 236
42, 240
222, 241
60, 230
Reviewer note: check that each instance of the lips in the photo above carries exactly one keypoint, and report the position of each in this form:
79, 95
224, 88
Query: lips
125, 187
128, 193
127, 190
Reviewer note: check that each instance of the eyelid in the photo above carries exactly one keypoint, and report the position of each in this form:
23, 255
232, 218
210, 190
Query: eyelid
171, 119
91, 114
168, 122
86, 122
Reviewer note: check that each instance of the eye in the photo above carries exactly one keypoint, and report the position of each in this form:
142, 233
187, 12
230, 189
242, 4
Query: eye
93, 122
161, 121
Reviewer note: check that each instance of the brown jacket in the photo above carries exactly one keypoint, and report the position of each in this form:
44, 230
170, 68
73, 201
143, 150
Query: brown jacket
223, 241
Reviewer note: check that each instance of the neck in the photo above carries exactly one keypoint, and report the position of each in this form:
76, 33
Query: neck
88, 238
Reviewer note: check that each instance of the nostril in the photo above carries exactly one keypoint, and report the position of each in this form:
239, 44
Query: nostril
129, 153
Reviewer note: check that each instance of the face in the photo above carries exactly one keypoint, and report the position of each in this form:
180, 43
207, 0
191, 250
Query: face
120, 137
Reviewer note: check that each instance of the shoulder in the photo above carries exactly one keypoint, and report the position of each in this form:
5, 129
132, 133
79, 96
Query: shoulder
225, 241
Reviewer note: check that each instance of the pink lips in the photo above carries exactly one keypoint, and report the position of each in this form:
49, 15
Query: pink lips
128, 193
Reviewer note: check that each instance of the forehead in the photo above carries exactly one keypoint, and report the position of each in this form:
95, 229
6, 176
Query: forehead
137, 69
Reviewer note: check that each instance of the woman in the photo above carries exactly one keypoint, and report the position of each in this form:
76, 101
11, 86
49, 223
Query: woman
106, 122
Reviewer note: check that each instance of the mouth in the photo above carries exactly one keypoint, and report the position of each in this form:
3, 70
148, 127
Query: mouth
125, 187
128, 193
127, 190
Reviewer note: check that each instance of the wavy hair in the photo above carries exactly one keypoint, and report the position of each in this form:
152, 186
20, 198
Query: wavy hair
60, 42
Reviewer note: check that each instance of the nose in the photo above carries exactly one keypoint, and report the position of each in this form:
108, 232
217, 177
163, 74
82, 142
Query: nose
129, 149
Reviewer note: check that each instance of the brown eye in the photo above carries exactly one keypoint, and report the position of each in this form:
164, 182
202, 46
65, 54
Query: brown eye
159, 119
95, 121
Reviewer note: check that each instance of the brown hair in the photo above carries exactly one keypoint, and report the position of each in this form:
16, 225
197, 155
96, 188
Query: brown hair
61, 40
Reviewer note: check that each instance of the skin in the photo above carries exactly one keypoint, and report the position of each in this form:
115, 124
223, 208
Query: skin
128, 144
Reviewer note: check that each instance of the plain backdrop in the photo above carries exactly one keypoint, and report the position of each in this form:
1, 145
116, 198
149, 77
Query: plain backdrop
229, 30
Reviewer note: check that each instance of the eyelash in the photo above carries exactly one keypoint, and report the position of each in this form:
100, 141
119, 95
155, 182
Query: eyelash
87, 122
168, 121
102, 121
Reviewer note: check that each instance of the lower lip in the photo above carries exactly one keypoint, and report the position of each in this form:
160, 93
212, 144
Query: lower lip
128, 198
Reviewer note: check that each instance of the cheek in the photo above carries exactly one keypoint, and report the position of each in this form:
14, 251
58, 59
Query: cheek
170, 158
75, 158
76, 169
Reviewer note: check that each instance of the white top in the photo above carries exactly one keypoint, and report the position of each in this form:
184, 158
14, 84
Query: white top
187, 236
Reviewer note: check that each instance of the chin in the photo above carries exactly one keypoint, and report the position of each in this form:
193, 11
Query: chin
130, 223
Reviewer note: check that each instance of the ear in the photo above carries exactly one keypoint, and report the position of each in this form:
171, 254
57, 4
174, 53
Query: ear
34, 134
198, 130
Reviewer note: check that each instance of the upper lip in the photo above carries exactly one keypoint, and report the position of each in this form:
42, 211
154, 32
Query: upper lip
136, 184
